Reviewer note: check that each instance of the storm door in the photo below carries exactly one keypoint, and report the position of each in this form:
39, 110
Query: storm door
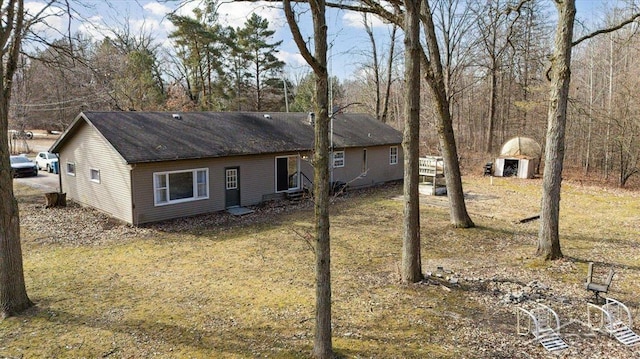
232, 187
287, 173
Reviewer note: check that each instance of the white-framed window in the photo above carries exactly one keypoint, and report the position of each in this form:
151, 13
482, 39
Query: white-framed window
95, 175
180, 186
393, 155
338, 159
71, 168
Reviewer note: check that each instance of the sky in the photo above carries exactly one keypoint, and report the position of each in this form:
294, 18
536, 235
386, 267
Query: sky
349, 44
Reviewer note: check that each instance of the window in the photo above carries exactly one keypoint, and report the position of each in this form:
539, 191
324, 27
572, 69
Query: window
71, 168
232, 178
338, 159
180, 186
393, 155
95, 175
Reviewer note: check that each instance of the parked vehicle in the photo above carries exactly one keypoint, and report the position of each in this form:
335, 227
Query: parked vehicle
22, 166
45, 160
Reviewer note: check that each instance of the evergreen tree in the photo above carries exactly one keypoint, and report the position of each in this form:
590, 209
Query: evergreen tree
201, 44
304, 92
263, 68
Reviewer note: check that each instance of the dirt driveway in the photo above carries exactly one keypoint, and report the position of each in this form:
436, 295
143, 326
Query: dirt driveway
45, 181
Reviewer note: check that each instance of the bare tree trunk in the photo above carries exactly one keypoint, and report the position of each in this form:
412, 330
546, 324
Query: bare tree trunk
322, 345
549, 238
13, 293
376, 66
493, 98
387, 92
434, 74
607, 144
411, 261
258, 84
587, 160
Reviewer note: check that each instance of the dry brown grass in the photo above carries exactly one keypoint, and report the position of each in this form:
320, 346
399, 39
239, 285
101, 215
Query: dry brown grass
245, 288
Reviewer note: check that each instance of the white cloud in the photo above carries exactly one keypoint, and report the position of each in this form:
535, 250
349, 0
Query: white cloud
157, 9
291, 58
236, 13
145, 26
354, 19
186, 8
52, 20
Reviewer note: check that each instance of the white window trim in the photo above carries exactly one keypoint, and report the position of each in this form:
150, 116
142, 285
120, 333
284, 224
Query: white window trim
99, 179
182, 200
393, 159
334, 159
66, 169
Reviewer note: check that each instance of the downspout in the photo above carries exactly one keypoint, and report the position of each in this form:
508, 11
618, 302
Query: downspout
134, 216
59, 173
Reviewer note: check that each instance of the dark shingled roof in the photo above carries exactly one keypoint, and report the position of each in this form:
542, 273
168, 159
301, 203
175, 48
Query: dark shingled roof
159, 136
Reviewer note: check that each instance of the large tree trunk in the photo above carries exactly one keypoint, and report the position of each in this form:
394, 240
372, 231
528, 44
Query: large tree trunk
13, 293
548, 240
322, 345
411, 261
434, 75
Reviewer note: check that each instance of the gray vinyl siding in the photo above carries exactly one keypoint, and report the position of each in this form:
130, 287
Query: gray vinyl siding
257, 179
88, 150
307, 171
379, 169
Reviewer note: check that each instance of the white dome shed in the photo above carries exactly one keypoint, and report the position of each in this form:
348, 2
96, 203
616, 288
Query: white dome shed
520, 157
521, 146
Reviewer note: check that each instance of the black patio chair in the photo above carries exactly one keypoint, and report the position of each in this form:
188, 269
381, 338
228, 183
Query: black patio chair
598, 287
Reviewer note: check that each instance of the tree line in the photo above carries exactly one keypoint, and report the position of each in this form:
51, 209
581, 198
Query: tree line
494, 60
495, 68
210, 68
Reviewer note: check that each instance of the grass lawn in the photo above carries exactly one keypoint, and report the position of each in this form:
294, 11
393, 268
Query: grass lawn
244, 288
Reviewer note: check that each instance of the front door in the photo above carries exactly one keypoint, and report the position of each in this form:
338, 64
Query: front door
232, 187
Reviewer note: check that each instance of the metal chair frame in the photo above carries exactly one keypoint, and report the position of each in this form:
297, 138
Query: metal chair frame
614, 319
543, 323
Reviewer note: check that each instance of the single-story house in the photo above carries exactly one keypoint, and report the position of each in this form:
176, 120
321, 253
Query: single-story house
519, 157
143, 167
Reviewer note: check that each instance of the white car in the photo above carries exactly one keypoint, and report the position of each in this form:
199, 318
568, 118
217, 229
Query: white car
45, 160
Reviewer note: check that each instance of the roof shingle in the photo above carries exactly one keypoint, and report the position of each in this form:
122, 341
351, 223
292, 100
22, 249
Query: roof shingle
160, 136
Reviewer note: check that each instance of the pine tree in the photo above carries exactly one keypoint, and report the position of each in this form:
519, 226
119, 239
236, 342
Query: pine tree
263, 68
201, 45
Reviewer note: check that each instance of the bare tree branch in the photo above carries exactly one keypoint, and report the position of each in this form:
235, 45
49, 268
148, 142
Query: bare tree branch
297, 36
607, 30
